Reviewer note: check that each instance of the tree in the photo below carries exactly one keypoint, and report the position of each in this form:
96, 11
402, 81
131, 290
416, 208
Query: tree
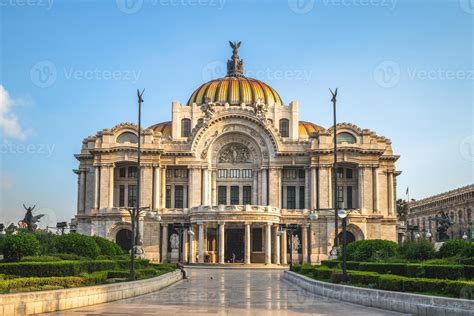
402, 209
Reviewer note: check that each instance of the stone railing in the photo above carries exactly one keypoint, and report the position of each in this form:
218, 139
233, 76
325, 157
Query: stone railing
236, 208
57, 300
413, 304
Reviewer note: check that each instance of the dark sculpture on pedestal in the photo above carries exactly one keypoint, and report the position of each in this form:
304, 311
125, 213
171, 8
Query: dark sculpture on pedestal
443, 222
30, 220
235, 66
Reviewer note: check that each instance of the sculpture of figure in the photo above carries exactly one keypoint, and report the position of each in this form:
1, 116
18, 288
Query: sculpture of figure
209, 107
174, 241
234, 153
30, 220
295, 240
443, 222
235, 66
260, 109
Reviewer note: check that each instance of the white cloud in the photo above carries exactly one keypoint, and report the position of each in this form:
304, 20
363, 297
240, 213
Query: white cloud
9, 123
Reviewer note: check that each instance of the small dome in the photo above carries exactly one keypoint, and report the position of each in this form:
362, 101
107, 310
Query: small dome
235, 88
305, 129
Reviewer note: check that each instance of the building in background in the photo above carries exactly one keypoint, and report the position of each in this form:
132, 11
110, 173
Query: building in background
234, 163
457, 204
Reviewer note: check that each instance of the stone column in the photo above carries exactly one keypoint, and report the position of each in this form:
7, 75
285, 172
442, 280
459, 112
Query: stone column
214, 187
255, 187
264, 186
304, 242
313, 188
96, 186
163, 187
307, 189
221, 243
268, 243
205, 187
375, 175
201, 243
247, 243
111, 186
275, 185
284, 247
276, 245
195, 193
192, 249
156, 188
164, 243
390, 192
81, 192
185, 246
361, 188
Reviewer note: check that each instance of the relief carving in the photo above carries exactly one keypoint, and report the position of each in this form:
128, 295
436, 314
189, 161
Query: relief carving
234, 153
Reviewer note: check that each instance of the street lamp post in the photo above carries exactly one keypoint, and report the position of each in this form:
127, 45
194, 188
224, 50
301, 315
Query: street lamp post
290, 229
336, 225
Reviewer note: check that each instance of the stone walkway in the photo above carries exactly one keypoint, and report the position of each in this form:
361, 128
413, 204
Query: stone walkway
229, 292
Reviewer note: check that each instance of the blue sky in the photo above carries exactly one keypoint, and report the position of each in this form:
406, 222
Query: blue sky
70, 68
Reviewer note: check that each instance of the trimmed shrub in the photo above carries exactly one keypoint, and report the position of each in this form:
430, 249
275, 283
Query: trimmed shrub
384, 268
70, 256
417, 250
352, 265
371, 250
453, 248
107, 247
39, 283
364, 278
20, 245
469, 272
77, 244
454, 272
122, 274
322, 273
44, 269
40, 259
296, 268
306, 268
331, 263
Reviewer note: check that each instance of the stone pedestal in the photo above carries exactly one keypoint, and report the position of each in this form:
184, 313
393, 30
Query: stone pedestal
174, 255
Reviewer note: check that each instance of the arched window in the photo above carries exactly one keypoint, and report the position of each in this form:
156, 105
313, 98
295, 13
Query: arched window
127, 137
284, 128
185, 127
345, 137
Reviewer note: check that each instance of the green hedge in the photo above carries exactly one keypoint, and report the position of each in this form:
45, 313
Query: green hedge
390, 282
66, 268
77, 244
371, 250
421, 270
40, 283
456, 247
22, 244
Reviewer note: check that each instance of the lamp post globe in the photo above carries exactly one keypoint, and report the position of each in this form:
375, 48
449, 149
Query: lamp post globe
464, 236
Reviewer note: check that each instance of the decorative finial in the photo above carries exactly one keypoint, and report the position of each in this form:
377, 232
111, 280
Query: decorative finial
235, 65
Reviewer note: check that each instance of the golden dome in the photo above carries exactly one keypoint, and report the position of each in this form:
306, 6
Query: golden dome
235, 88
235, 91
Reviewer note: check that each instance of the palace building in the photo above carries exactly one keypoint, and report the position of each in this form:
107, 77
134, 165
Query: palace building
235, 164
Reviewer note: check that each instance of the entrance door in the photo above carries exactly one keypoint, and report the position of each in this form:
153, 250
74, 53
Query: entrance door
234, 245
124, 239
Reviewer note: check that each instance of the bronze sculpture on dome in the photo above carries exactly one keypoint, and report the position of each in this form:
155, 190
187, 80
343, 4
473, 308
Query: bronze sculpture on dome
235, 66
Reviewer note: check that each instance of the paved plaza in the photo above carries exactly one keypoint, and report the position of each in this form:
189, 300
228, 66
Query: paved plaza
228, 292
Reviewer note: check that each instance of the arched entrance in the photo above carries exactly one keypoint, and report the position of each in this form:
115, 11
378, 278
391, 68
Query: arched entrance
124, 239
349, 238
